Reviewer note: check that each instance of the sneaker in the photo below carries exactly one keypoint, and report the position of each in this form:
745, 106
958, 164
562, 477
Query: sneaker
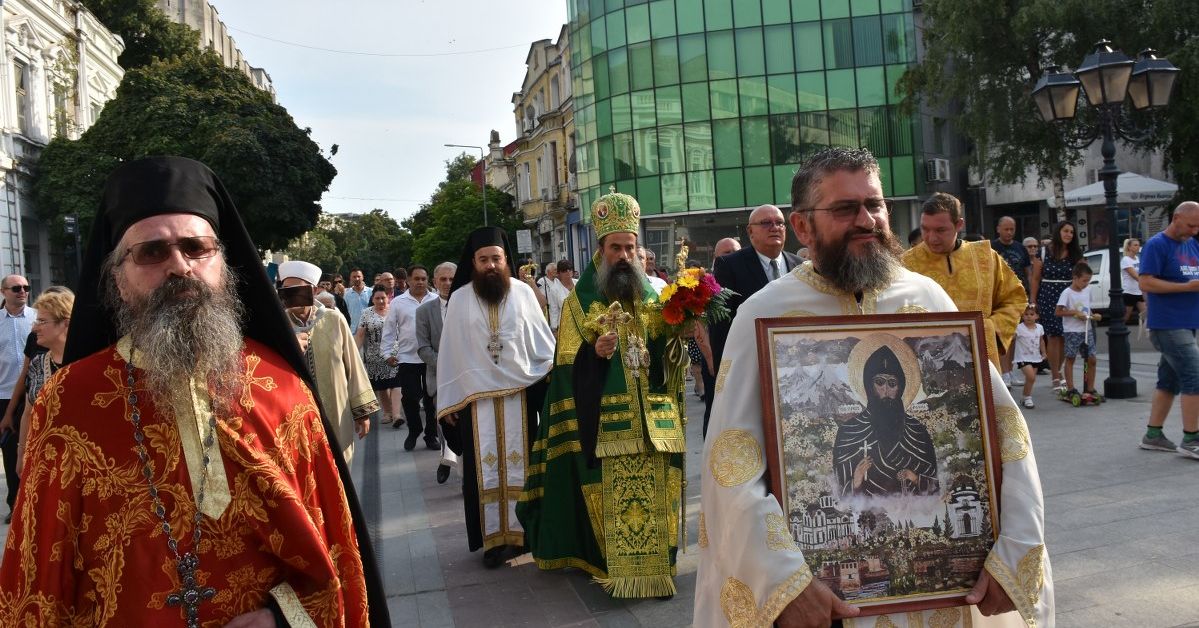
1028, 403
1159, 443
1007, 380
1190, 449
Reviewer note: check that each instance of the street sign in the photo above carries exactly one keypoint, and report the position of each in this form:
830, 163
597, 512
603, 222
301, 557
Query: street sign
524, 241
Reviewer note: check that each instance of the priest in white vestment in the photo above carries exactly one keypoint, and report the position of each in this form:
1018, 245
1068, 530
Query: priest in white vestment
495, 352
751, 571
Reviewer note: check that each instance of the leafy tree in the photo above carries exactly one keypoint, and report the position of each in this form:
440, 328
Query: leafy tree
439, 229
193, 106
147, 33
374, 242
982, 58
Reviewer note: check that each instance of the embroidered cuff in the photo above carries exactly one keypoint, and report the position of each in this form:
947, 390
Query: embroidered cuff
290, 607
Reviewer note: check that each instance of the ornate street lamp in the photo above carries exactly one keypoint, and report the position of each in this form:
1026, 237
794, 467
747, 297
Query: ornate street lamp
1109, 77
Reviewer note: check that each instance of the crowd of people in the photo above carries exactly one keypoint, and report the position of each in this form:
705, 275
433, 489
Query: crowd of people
207, 412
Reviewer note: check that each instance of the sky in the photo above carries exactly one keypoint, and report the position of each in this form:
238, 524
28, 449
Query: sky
391, 115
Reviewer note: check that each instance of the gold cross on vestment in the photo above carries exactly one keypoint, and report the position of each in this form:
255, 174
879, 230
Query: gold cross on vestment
615, 317
265, 383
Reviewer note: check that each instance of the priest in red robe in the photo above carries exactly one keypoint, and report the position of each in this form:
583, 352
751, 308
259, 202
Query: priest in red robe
179, 471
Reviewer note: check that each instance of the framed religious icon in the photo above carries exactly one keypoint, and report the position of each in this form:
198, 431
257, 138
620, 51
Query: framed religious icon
882, 450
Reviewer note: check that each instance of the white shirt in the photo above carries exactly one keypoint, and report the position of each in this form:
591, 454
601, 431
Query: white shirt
1127, 283
780, 260
1028, 343
555, 296
656, 283
399, 328
1075, 300
12, 347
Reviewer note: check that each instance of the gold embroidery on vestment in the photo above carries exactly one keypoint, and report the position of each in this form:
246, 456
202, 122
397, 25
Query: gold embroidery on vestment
799, 313
736, 458
737, 601
1014, 440
1017, 588
884, 621
723, 374
703, 531
778, 537
915, 619
911, 308
945, 618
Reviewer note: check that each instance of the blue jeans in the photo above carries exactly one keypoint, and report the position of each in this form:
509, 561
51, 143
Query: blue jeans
1178, 369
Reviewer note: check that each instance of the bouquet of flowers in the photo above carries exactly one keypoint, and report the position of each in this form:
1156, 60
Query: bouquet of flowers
692, 298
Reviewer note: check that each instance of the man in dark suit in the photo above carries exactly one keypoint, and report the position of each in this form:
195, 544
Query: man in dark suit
747, 271
429, 317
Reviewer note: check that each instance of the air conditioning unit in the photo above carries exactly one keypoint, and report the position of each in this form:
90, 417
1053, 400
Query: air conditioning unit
545, 194
937, 170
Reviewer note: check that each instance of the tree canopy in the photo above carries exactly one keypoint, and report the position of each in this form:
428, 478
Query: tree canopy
983, 57
147, 33
195, 107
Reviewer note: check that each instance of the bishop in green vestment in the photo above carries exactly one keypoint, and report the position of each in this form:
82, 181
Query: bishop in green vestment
604, 482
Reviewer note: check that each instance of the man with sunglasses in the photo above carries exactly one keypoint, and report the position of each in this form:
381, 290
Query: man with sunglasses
15, 328
178, 470
749, 557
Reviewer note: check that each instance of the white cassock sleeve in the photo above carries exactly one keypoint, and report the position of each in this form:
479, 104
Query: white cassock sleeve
750, 566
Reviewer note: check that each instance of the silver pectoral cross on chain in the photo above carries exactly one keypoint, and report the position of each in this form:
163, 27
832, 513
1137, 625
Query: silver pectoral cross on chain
190, 595
494, 346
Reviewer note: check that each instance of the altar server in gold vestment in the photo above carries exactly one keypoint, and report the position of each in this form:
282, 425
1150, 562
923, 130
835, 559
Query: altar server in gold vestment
974, 275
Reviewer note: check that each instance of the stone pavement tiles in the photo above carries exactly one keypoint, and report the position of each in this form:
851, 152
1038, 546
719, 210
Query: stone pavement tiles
1122, 523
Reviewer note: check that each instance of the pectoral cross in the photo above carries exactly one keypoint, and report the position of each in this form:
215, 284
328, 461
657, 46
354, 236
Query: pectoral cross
865, 450
494, 346
615, 317
190, 595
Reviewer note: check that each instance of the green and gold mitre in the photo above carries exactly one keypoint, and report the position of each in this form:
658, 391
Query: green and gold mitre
615, 212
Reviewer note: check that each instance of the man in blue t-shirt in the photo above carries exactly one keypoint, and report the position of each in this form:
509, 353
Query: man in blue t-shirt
1169, 277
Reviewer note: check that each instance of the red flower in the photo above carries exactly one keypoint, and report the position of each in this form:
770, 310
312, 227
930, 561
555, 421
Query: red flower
672, 314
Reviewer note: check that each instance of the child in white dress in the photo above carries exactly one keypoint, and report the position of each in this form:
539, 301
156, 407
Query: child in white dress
1029, 350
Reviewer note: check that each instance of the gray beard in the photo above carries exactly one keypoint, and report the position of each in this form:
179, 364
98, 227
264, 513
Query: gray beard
618, 283
177, 338
871, 271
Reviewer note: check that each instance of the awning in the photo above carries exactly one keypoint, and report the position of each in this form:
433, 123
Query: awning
1131, 189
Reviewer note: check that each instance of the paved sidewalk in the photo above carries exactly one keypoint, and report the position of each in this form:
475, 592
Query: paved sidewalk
433, 581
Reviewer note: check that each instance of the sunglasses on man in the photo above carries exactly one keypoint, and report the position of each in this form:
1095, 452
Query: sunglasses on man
153, 252
19, 289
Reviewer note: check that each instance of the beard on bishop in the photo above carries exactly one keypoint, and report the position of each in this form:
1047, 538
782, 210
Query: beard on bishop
622, 281
182, 329
492, 285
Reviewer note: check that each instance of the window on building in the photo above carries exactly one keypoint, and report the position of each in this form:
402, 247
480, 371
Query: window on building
553, 160
555, 95
20, 76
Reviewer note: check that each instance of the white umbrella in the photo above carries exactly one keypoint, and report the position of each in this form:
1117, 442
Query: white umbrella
1131, 189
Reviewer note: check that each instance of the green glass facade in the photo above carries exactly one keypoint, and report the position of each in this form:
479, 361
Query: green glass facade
699, 105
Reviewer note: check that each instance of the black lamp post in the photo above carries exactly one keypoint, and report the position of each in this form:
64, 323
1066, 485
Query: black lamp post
1108, 77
